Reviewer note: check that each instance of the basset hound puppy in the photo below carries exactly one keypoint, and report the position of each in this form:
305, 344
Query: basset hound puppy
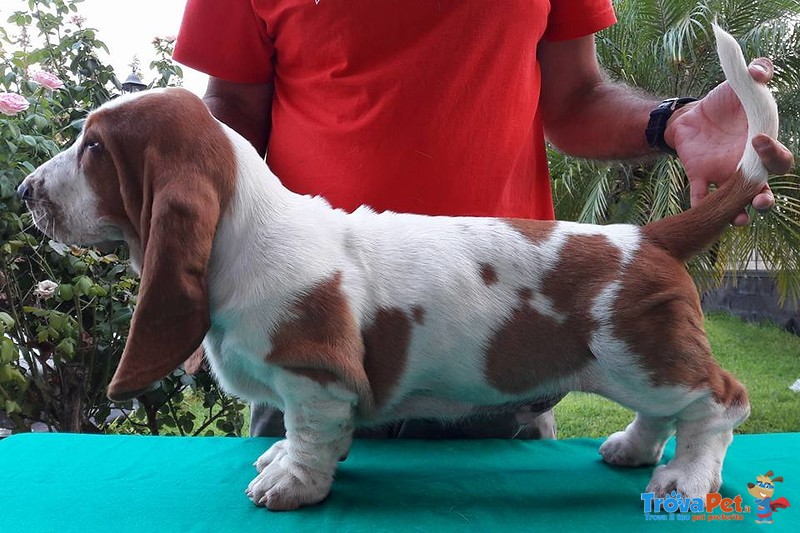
345, 319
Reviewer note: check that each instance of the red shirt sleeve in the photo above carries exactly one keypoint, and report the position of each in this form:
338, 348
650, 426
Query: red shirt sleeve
571, 19
225, 39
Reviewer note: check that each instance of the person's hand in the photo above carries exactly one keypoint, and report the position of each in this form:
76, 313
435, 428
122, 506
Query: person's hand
709, 136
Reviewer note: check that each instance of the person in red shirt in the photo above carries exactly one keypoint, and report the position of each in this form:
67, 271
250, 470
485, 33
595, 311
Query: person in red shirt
442, 108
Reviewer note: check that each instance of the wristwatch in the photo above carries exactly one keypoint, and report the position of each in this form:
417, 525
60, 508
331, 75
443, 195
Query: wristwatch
654, 133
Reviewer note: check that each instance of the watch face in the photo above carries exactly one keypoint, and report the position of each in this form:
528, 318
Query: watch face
668, 104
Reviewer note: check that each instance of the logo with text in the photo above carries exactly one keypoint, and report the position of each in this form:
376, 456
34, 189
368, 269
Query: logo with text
679, 508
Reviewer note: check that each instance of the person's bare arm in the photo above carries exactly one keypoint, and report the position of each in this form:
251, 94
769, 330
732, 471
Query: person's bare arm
245, 107
586, 115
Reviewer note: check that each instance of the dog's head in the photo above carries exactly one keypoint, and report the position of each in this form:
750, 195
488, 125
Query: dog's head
155, 170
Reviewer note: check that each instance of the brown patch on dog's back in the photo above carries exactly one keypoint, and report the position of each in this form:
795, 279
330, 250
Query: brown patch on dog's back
419, 315
488, 274
658, 315
531, 348
321, 339
536, 231
587, 264
525, 293
386, 344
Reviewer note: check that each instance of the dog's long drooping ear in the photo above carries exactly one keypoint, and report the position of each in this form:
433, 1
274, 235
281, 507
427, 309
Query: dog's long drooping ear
175, 180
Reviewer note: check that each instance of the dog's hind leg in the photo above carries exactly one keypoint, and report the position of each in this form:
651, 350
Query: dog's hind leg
704, 431
702, 417
654, 357
298, 470
641, 444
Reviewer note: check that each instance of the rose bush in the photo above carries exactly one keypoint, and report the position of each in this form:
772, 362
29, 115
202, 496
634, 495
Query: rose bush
65, 310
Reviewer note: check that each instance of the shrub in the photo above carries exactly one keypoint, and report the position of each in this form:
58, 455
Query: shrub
65, 311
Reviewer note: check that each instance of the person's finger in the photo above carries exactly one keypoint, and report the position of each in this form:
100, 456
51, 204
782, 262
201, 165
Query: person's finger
742, 219
764, 201
761, 69
775, 156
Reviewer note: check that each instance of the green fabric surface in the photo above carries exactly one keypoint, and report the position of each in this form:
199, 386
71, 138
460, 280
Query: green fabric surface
66, 483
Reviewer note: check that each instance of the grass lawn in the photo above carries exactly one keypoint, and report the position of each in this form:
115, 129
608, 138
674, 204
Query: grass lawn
763, 357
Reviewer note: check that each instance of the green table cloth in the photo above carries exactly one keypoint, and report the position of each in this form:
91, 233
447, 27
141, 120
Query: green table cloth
66, 483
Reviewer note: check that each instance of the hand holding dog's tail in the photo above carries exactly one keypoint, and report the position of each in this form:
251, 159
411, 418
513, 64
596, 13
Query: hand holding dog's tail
686, 234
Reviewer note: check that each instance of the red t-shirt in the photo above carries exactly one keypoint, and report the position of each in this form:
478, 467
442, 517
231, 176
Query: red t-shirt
421, 106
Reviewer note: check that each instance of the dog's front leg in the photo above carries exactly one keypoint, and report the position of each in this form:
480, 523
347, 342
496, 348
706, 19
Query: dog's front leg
298, 470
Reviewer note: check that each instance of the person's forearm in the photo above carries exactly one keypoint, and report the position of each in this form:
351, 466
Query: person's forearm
244, 108
607, 121
586, 115
239, 122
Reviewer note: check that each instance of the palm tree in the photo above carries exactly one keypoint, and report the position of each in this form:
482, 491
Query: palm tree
666, 47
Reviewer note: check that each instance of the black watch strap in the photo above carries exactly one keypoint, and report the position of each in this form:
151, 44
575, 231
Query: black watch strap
654, 133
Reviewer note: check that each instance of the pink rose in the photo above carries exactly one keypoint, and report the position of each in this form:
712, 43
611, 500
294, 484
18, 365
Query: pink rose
167, 39
45, 79
45, 289
12, 103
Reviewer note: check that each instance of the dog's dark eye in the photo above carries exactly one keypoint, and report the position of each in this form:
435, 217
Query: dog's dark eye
90, 147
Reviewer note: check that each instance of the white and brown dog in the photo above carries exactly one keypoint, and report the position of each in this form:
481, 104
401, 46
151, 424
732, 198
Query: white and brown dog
345, 319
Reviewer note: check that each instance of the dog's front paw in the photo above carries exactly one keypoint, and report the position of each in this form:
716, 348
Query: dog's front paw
691, 482
623, 449
275, 452
283, 485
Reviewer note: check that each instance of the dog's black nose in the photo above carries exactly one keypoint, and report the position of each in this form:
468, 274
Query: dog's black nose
24, 192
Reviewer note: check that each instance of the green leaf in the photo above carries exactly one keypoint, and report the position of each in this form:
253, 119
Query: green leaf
39, 121
96, 291
28, 139
66, 292
58, 322
82, 285
66, 347
121, 317
6, 319
8, 351
12, 407
59, 248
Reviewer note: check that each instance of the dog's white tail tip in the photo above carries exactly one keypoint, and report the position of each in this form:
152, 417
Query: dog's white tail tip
757, 101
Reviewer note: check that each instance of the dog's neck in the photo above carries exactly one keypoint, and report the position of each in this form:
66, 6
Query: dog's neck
266, 224
258, 189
